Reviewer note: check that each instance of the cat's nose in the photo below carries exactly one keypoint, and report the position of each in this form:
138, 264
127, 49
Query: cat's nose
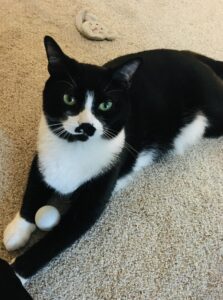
86, 128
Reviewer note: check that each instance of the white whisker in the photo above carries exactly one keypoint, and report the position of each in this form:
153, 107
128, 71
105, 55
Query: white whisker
61, 133
56, 124
57, 129
67, 82
127, 146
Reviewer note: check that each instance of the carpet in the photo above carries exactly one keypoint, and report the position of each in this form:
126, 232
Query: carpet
162, 236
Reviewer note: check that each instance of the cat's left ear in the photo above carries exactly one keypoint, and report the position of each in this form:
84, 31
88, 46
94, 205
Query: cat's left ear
125, 73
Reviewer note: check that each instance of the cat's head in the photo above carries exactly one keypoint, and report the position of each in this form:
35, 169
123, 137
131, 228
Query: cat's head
82, 101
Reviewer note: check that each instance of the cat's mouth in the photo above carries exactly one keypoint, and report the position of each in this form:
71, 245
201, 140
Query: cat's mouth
72, 137
81, 137
81, 133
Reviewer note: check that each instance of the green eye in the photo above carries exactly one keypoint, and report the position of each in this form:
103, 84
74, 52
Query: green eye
69, 100
104, 106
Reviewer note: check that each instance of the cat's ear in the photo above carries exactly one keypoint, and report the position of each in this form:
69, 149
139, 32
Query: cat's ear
53, 50
124, 73
55, 55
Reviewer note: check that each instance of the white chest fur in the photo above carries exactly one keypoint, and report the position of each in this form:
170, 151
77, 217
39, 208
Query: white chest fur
65, 166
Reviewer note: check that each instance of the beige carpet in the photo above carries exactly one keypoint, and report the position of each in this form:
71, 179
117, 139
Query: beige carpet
162, 237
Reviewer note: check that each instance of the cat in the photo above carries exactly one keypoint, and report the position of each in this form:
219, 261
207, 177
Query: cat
102, 124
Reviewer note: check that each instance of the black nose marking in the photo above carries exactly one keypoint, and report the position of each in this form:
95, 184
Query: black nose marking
86, 128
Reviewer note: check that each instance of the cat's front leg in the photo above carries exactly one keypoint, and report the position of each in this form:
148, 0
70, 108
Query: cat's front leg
37, 193
89, 201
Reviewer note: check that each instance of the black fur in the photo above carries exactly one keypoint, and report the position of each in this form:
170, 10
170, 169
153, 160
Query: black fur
10, 285
154, 94
37, 193
87, 204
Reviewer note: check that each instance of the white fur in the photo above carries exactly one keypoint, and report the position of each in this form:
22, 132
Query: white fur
65, 166
123, 182
17, 233
144, 159
89, 100
190, 134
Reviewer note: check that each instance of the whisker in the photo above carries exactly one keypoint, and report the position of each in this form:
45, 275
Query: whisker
130, 151
61, 133
51, 125
72, 80
114, 91
112, 130
57, 129
67, 82
129, 147
133, 153
66, 134
125, 141
107, 135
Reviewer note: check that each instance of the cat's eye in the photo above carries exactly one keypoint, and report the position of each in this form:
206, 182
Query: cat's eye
104, 106
69, 100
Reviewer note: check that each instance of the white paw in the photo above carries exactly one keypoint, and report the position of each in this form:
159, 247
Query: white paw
17, 233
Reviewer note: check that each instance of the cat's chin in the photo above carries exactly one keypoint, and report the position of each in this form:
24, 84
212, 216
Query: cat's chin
82, 137
75, 137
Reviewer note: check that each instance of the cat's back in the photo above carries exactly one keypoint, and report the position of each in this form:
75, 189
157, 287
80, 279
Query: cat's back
167, 78
157, 58
163, 67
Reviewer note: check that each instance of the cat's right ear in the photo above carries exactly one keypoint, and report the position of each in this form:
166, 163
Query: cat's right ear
54, 54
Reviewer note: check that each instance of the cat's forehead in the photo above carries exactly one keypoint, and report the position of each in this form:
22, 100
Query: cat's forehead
90, 77
90, 98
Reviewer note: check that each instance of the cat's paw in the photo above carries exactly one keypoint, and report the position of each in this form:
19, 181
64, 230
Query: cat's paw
17, 233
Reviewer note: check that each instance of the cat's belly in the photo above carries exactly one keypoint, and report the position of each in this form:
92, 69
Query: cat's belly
66, 166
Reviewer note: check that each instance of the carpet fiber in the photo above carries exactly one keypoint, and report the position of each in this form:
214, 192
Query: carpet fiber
160, 238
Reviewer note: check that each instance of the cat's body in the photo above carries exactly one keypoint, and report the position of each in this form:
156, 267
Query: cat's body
118, 119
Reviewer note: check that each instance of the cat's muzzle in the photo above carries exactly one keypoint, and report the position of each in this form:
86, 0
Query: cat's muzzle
86, 128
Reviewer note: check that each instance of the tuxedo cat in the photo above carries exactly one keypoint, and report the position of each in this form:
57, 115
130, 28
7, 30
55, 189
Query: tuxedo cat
102, 124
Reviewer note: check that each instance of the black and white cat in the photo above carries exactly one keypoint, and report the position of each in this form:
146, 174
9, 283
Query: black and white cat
102, 124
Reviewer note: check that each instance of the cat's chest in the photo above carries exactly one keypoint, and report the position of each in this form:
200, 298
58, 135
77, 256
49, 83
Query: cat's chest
65, 166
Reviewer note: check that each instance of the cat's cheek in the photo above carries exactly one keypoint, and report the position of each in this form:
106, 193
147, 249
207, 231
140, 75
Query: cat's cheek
99, 127
70, 124
98, 133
